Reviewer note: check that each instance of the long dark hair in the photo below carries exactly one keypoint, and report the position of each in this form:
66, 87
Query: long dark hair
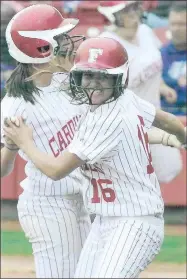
17, 86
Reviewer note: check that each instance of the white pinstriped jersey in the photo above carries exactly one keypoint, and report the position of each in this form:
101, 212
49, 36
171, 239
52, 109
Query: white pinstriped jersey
53, 120
145, 67
113, 141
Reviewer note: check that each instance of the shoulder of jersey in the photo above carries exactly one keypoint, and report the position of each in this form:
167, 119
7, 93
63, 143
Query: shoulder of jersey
128, 94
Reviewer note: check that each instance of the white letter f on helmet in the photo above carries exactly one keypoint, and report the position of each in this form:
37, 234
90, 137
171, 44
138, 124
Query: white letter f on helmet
94, 53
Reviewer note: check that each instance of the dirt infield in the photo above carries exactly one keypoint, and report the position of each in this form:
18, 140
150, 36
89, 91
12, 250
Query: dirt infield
23, 267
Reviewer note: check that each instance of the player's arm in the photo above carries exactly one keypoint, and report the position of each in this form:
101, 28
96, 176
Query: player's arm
8, 156
9, 151
9, 106
55, 168
162, 120
80, 151
171, 124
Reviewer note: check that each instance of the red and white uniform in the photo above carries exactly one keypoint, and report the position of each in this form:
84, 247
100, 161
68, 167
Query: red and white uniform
51, 213
121, 188
113, 141
145, 73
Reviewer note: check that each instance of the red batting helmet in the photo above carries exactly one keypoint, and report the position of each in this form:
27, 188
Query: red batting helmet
104, 55
30, 33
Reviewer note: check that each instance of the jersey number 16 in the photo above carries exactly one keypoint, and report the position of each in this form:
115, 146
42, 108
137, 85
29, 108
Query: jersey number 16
108, 194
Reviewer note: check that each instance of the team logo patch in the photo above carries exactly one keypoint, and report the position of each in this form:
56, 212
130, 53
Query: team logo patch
94, 53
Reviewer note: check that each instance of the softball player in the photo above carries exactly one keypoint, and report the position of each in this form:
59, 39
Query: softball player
145, 71
51, 213
111, 147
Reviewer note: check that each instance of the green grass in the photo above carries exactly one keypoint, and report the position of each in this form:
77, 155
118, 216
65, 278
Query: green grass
173, 249
15, 243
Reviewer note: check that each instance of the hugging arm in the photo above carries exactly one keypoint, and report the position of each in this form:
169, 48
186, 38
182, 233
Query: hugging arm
8, 154
55, 168
81, 150
7, 160
166, 128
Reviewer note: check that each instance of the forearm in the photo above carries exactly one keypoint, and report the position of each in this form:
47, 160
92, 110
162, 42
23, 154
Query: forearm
55, 168
46, 163
7, 161
170, 123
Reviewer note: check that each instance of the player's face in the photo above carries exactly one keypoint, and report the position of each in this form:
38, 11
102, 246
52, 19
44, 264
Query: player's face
177, 23
99, 87
130, 20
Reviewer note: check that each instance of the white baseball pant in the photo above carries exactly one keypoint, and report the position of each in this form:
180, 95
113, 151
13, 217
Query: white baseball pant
56, 228
119, 247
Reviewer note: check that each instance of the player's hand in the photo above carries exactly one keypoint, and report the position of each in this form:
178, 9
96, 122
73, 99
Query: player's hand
65, 63
13, 119
18, 132
168, 93
171, 140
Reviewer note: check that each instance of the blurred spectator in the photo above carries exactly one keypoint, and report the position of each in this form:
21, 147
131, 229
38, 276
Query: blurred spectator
7, 62
145, 71
156, 13
163, 8
174, 59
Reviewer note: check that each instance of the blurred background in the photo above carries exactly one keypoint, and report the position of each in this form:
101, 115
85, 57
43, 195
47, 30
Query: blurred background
156, 16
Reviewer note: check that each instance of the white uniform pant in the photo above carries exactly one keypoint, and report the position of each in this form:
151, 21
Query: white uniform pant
57, 229
167, 162
119, 247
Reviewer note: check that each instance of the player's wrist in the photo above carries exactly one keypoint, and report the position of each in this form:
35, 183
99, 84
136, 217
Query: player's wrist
11, 147
27, 146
